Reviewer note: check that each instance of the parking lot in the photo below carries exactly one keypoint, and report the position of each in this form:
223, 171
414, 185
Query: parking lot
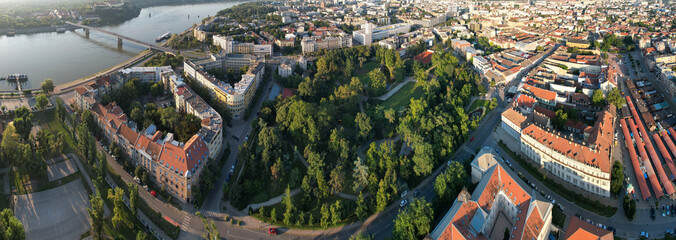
58, 213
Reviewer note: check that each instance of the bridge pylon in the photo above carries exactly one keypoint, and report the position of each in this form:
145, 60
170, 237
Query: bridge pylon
119, 42
86, 30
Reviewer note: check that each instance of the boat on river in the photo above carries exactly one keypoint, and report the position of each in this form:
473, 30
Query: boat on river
163, 37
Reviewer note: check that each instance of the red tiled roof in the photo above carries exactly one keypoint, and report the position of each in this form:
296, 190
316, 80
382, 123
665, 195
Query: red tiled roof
577, 152
581, 230
129, 134
540, 93
425, 57
80, 90
186, 157
529, 223
548, 113
525, 100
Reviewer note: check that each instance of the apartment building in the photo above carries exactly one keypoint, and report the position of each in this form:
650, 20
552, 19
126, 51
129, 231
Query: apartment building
172, 164
229, 46
237, 97
582, 164
313, 44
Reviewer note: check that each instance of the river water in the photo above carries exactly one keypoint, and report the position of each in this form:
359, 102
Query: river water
65, 57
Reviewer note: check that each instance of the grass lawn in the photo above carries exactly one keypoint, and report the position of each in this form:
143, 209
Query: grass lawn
47, 120
477, 104
403, 97
363, 73
314, 209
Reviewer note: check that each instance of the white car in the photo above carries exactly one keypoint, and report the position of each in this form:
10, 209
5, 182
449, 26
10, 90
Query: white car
403, 203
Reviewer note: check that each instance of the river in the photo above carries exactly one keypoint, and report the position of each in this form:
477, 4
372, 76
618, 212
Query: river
65, 57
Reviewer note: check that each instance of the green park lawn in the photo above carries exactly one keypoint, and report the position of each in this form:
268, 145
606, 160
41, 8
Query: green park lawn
363, 73
403, 97
314, 208
478, 104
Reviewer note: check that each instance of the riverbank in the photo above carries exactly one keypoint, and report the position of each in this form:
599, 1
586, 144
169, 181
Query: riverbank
137, 5
34, 30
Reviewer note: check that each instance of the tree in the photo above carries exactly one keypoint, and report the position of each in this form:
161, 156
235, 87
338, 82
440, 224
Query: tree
118, 201
616, 177
23, 122
361, 210
96, 214
133, 198
141, 236
336, 212
560, 119
41, 102
156, 89
10, 226
47, 86
629, 206
614, 97
382, 197
364, 125
10, 139
360, 236
598, 99
288, 215
421, 76
448, 184
326, 215
337, 178
378, 84
493, 104
209, 227
360, 173
413, 222
273, 215
423, 159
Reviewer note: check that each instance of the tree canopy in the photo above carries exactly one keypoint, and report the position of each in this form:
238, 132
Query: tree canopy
413, 222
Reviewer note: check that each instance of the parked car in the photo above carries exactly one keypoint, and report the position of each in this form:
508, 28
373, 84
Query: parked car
272, 231
652, 213
227, 178
416, 193
403, 203
645, 234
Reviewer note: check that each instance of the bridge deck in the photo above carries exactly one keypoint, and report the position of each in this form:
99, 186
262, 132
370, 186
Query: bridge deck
151, 46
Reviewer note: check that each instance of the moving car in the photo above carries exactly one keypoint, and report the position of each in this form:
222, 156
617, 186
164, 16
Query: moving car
272, 231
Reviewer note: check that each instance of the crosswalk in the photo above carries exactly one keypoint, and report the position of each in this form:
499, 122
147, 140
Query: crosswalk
212, 214
186, 222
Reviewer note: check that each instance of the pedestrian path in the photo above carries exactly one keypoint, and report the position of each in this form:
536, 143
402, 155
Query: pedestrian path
394, 90
272, 201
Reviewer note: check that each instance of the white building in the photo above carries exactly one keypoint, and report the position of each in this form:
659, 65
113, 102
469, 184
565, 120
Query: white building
584, 164
362, 36
228, 45
145, 74
481, 64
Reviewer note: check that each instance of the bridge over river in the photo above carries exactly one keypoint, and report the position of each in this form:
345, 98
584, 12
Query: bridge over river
120, 38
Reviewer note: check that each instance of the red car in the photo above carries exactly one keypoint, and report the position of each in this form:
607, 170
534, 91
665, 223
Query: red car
153, 193
471, 139
272, 231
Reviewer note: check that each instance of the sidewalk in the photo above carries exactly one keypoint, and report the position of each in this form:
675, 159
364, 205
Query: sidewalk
394, 90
